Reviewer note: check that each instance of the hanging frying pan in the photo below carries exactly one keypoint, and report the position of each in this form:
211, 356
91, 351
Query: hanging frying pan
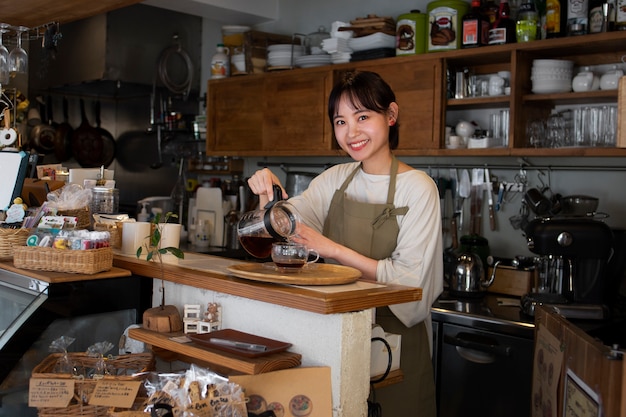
42, 135
63, 136
87, 143
108, 142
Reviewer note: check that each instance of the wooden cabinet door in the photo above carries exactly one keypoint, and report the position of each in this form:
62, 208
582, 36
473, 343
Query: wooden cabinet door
295, 118
418, 86
235, 114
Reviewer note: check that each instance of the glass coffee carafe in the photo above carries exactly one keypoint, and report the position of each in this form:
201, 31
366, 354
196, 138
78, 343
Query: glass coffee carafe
276, 222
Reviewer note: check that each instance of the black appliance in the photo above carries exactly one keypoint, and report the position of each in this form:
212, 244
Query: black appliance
571, 271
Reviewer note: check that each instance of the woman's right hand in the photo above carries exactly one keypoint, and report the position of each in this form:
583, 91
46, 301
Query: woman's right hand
261, 183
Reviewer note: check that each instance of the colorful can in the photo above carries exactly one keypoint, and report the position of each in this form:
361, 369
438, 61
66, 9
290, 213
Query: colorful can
411, 33
444, 20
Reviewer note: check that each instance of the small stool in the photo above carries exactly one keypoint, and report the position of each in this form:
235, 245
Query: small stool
191, 317
208, 326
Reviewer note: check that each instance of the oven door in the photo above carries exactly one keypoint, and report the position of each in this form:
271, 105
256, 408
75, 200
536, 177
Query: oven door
20, 297
484, 373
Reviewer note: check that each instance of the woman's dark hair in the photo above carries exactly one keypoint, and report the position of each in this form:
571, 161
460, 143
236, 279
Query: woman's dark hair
364, 89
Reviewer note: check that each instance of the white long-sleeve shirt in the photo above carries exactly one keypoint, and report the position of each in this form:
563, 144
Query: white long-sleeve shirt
417, 260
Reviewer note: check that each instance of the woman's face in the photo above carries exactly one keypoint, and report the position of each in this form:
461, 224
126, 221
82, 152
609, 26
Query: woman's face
362, 133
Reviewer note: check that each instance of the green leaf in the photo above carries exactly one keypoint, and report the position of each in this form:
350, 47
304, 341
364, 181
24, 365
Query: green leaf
139, 250
149, 256
176, 252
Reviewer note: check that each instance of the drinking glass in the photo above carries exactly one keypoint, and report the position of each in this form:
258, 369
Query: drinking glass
610, 125
555, 131
18, 58
4, 56
535, 133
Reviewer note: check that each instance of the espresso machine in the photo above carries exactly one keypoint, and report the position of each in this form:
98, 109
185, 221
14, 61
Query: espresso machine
570, 266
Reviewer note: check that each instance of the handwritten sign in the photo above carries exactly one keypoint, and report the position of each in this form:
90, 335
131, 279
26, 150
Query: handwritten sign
50, 392
114, 393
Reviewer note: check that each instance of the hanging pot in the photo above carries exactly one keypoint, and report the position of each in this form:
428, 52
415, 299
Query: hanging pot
108, 142
87, 143
42, 135
63, 136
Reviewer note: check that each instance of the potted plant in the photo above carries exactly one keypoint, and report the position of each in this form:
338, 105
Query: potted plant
164, 318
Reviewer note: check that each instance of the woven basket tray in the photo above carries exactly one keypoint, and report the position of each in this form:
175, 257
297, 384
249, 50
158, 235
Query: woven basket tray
83, 216
89, 261
121, 368
114, 230
9, 239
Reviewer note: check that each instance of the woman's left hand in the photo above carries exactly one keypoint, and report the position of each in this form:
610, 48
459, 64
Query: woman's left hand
314, 240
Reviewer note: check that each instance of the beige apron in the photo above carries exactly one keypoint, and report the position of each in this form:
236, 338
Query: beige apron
372, 230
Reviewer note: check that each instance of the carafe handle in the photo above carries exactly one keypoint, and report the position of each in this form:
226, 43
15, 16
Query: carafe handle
278, 195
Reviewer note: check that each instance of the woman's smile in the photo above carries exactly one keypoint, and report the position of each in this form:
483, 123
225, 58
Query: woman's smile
357, 146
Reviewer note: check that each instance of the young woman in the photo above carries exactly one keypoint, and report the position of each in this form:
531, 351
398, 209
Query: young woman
381, 216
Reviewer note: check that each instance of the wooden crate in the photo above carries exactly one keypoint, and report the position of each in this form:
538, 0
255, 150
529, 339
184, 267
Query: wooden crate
511, 281
255, 45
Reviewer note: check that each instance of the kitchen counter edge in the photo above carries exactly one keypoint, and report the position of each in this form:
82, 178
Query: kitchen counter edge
302, 298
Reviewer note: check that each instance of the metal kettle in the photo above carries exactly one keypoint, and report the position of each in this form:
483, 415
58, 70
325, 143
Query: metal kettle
468, 278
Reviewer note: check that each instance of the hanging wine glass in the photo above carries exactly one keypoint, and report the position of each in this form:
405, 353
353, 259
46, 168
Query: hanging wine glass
18, 58
4, 56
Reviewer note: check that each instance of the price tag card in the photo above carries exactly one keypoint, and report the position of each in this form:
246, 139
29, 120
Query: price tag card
50, 392
113, 393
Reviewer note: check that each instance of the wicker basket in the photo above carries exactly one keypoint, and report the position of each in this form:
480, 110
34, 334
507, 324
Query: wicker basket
83, 216
121, 368
89, 261
9, 239
115, 230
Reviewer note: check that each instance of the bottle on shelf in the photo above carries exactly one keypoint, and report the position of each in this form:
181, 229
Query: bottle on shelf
556, 18
527, 22
577, 17
220, 63
475, 27
504, 30
491, 11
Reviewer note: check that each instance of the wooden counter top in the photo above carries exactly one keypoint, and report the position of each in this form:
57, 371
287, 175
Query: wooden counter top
59, 277
209, 272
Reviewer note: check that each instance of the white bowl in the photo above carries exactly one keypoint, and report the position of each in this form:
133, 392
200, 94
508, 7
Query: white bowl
553, 63
548, 87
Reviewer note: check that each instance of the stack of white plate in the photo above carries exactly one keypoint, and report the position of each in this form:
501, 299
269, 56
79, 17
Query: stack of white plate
552, 76
310, 61
373, 41
281, 55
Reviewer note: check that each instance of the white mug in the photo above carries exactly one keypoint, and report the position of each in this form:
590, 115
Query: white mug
134, 236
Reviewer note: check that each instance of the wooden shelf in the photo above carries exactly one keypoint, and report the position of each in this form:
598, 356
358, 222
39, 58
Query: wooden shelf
248, 366
394, 377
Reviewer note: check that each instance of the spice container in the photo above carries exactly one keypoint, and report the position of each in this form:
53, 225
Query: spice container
444, 18
105, 200
411, 33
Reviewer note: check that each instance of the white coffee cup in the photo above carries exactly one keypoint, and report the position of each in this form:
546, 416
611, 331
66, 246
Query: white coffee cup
134, 236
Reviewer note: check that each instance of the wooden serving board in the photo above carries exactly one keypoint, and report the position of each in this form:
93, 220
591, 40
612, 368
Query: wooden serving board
313, 274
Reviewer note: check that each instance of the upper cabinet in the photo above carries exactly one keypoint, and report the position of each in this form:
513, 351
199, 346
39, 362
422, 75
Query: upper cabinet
284, 113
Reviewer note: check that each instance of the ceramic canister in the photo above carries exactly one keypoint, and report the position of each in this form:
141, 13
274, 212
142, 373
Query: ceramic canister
444, 19
411, 33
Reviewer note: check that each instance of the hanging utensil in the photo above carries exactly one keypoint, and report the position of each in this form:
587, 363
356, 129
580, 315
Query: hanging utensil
42, 135
63, 136
108, 142
87, 142
454, 188
478, 181
489, 188
464, 192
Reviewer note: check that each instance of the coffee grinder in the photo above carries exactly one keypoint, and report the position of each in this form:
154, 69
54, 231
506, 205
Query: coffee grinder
571, 266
